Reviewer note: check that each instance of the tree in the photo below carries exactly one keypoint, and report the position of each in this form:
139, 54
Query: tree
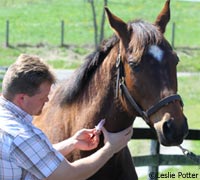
98, 37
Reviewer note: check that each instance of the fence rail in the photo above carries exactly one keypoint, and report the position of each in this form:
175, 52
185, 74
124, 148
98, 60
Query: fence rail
147, 133
164, 160
61, 36
155, 159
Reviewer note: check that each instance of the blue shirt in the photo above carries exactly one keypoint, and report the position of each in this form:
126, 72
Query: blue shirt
25, 151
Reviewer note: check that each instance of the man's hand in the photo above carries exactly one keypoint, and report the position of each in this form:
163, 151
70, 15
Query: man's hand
117, 141
86, 139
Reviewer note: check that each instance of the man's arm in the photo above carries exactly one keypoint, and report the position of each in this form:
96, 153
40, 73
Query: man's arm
65, 147
82, 140
86, 167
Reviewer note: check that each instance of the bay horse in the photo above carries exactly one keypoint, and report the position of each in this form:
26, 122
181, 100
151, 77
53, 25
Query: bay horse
131, 74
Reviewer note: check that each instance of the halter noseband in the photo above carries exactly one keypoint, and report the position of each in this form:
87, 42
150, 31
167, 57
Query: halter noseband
120, 84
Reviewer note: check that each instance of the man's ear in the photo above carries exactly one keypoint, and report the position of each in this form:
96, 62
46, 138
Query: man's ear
19, 99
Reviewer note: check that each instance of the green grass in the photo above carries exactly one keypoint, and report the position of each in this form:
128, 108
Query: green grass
189, 60
35, 22
189, 88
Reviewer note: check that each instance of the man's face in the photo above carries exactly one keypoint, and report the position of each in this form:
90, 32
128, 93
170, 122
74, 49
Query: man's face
34, 104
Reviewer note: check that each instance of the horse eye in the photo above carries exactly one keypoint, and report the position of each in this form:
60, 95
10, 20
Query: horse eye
134, 66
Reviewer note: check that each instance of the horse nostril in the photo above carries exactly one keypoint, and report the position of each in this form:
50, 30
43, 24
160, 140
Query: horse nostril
167, 124
168, 129
172, 134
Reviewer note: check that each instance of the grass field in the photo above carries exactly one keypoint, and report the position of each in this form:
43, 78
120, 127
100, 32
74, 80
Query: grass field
36, 23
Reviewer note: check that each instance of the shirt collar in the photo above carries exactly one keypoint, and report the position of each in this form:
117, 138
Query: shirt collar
16, 110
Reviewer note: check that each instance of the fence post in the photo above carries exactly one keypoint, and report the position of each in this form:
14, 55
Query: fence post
153, 170
62, 32
7, 33
173, 35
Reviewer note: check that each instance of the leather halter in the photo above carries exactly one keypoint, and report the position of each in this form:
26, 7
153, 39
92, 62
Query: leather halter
120, 84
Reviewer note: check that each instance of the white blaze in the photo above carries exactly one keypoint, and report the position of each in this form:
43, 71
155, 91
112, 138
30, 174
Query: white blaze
156, 52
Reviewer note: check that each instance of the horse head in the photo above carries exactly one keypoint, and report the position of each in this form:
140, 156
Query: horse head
147, 76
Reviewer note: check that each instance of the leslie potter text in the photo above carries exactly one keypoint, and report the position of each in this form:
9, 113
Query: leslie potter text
169, 175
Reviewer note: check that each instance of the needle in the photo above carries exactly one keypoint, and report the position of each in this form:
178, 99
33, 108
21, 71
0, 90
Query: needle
99, 127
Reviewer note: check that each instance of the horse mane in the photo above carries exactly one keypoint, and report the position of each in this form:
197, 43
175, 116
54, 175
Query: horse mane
87, 69
144, 34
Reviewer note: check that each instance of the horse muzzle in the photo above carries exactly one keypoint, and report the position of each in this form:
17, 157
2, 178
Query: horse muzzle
169, 132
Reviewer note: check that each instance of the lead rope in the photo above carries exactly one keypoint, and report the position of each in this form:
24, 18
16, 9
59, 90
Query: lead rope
190, 155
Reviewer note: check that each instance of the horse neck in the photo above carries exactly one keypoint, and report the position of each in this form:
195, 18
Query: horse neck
109, 106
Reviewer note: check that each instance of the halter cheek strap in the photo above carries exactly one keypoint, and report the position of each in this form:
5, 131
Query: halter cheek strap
120, 84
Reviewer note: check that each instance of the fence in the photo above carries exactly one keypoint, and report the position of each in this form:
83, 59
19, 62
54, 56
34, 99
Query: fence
61, 30
62, 35
154, 160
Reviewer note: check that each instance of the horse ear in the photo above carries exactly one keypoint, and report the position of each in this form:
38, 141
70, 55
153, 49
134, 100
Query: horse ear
118, 25
164, 17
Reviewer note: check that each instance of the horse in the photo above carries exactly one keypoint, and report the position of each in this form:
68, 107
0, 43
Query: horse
132, 73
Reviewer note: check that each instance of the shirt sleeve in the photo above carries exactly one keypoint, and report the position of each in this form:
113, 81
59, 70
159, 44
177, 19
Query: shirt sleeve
33, 152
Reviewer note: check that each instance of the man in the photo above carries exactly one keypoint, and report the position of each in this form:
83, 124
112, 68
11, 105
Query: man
25, 152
